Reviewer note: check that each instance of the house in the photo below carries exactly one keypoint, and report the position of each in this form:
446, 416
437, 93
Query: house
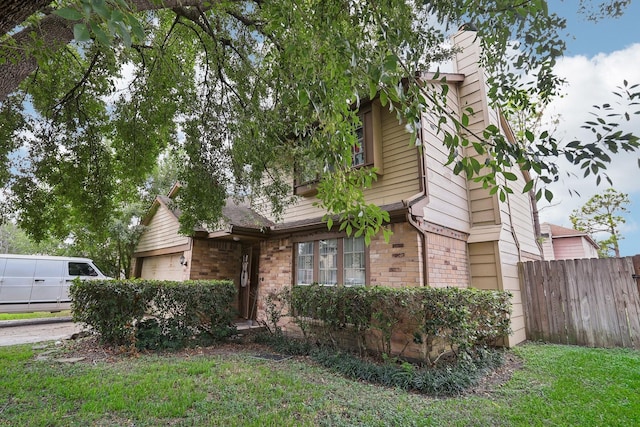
231, 252
447, 231
566, 243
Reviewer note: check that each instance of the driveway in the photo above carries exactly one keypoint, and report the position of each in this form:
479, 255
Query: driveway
13, 332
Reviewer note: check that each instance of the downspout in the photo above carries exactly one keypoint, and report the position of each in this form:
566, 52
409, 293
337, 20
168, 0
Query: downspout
513, 230
422, 176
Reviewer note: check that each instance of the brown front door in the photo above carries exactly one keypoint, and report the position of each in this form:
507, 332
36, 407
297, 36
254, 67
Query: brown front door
249, 282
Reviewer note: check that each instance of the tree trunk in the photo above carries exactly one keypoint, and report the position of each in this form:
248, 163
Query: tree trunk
14, 12
53, 31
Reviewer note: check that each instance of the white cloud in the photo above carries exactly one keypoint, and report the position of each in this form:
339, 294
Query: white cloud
592, 81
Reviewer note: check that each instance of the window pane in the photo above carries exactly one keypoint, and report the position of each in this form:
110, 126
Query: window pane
48, 268
354, 262
81, 269
328, 262
358, 151
304, 263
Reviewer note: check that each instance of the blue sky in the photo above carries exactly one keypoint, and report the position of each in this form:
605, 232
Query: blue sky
599, 57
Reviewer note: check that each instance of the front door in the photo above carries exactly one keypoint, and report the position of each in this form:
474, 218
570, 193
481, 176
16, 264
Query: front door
249, 282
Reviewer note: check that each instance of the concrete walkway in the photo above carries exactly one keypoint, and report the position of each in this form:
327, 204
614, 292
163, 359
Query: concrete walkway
13, 332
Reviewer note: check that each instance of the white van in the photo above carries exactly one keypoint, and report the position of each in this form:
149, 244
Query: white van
40, 283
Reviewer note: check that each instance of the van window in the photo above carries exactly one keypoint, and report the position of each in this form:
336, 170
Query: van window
20, 268
48, 268
81, 269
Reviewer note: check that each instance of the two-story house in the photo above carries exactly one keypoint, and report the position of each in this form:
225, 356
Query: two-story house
447, 230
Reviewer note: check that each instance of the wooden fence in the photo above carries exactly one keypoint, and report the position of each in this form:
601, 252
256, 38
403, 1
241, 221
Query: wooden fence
590, 302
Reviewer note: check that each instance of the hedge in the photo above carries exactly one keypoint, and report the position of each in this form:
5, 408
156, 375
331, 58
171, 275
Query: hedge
464, 319
155, 314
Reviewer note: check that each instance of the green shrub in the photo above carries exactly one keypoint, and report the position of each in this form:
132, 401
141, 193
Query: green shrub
155, 314
464, 319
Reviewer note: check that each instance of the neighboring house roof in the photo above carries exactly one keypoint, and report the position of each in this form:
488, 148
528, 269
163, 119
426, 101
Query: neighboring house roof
558, 232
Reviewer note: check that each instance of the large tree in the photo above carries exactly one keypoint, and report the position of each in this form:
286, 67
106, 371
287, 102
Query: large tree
93, 91
602, 214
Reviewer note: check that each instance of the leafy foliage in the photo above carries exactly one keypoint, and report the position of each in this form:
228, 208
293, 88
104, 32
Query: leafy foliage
464, 319
182, 313
601, 214
232, 86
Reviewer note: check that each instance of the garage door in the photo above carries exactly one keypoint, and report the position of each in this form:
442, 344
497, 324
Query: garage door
162, 267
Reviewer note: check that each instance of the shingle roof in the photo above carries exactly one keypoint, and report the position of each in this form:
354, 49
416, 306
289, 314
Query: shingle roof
558, 231
239, 215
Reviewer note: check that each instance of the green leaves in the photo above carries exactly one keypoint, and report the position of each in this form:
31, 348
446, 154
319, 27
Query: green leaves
231, 87
103, 21
69, 13
602, 214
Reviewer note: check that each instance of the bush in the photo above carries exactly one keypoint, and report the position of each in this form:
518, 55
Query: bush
155, 314
464, 319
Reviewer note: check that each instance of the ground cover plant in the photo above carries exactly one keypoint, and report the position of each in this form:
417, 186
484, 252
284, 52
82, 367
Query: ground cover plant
242, 385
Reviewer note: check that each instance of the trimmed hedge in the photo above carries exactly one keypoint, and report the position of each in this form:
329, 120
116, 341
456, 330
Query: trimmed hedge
464, 319
155, 314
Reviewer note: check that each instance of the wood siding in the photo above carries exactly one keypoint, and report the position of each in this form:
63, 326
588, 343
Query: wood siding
573, 248
400, 180
501, 233
161, 232
448, 201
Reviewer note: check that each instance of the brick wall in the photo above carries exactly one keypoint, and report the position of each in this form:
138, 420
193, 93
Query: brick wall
448, 261
275, 270
399, 262
215, 259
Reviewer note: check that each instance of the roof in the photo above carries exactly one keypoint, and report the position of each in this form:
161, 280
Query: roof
234, 214
559, 232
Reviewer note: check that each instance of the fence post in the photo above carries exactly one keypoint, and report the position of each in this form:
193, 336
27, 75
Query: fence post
636, 268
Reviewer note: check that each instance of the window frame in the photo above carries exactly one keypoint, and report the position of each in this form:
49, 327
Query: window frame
340, 237
371, 125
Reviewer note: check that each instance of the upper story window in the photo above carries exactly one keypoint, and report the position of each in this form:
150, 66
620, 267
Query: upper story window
331, 261
366, 152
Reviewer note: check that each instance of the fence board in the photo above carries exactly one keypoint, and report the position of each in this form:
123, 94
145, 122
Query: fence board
592, 302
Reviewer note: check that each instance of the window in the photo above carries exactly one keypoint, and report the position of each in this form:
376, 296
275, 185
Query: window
81, 269
331, 261
366, 151
304, 263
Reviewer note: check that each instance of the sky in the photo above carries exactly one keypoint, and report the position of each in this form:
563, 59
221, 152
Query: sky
599, 57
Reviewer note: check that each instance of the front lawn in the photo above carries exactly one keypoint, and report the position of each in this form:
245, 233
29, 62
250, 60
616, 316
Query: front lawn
556, 385
36, 315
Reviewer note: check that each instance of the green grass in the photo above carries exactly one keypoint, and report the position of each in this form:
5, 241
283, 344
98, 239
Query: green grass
557, 385
38, 315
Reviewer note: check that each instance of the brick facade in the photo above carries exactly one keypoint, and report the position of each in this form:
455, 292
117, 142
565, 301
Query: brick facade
399, 262
448, 263
275, 269
216, 260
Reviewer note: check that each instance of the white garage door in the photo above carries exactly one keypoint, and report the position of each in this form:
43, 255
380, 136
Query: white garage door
163, 267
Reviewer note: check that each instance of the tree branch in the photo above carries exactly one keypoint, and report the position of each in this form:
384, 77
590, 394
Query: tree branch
54, 32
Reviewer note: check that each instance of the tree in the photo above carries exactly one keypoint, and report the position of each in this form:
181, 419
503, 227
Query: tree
237, 86
13, 240
601, 214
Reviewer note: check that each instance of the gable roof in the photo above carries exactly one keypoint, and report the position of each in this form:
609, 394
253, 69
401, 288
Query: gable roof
235, 216
559, 232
